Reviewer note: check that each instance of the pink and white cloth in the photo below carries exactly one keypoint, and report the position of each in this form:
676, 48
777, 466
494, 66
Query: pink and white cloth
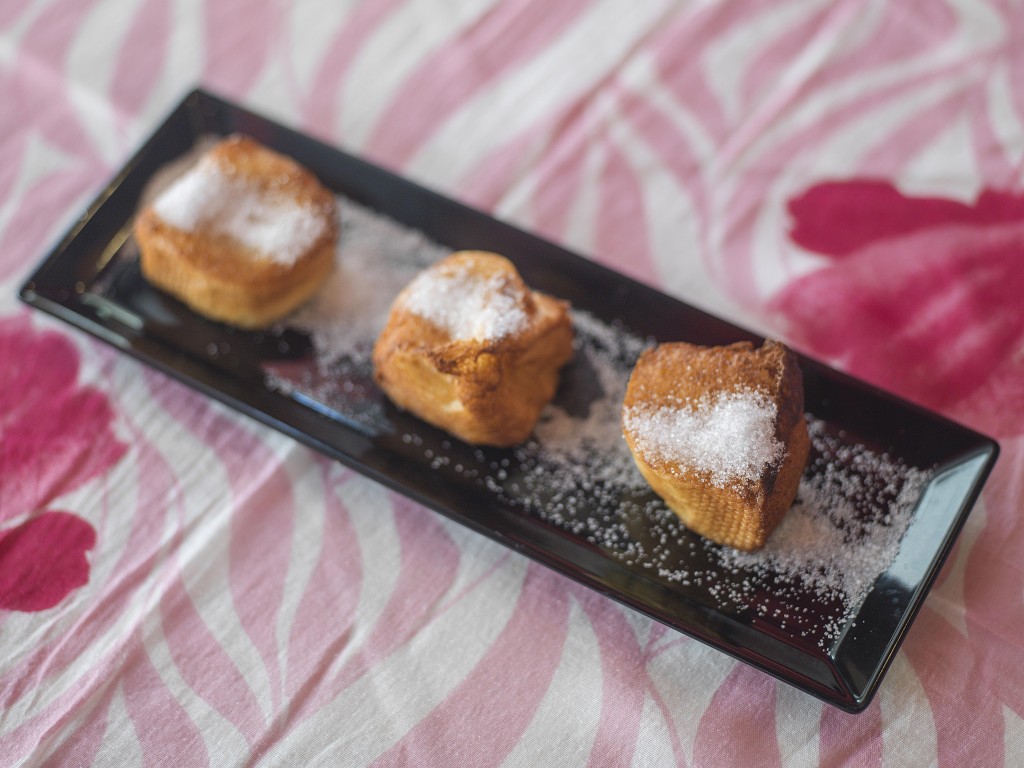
179, 585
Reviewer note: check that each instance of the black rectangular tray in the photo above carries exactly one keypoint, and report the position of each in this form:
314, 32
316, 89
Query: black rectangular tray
86, 282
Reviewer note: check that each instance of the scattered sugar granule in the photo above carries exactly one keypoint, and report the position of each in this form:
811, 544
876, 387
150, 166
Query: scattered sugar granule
730, 437
577, 473
844, 530
274, 225
465, 305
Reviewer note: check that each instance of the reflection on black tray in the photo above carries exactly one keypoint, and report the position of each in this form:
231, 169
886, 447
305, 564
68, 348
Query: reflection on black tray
596, 524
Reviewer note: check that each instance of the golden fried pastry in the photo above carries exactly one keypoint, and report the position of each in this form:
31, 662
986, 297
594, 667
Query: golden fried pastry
720, 435
471, 349
245, 236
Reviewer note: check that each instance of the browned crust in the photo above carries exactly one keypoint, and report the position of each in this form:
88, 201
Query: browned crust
483, 392
744, 514
218, 277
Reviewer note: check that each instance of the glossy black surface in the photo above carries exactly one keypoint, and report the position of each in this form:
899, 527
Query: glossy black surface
91, 281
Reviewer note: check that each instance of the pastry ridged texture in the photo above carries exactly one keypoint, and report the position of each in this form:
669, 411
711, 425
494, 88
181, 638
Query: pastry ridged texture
740, 511
244, 236
471, 349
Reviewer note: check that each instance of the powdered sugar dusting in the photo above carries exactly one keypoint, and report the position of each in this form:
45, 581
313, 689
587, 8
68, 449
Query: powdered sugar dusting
576, 473
206, 197
827, 532
729, 438
464, 304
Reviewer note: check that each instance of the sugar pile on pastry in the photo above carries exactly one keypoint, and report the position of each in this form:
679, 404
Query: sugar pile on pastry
720, 434
244, 236
470, 348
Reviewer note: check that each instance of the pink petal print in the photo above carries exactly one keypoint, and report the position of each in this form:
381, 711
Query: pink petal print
142, 554
58, 435
839, 218
738, 727
929, 310
894, 38
44, 365
43, 560
52, 451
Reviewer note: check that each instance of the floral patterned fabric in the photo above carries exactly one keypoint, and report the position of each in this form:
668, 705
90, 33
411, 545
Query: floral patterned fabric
179, 585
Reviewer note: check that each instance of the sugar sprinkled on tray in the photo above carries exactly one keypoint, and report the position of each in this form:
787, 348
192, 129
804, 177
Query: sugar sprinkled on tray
577, 474
379, 259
